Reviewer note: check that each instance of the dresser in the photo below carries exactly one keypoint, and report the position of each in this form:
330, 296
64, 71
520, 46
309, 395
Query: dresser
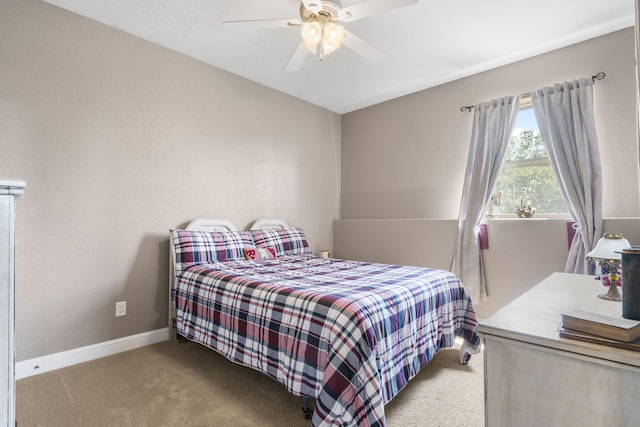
9, 191
535, 378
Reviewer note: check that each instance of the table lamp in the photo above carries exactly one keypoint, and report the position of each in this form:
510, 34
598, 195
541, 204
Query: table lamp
608, 253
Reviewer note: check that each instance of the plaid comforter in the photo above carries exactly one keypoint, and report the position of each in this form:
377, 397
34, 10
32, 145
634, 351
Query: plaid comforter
349, 334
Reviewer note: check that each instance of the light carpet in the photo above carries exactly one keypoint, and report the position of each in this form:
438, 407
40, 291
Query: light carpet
173, 384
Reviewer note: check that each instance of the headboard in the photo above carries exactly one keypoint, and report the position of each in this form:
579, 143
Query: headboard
211, 224
264, 223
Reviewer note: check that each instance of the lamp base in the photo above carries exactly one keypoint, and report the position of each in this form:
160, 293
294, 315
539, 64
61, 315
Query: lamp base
612, 294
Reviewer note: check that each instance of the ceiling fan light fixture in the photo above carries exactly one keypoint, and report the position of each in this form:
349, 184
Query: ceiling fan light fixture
333, 34
328, 48
311, 34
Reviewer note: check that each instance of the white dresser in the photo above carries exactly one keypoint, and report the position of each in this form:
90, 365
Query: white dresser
535, 378
9, 191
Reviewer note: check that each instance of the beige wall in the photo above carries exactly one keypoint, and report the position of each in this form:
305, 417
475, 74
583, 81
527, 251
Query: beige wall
403, 165
406, 158
120, 140
421, 242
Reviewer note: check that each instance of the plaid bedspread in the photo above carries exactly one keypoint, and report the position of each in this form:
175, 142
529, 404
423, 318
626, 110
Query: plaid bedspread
349, 334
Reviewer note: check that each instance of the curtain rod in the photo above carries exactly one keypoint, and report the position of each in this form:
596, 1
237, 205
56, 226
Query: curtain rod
597, 76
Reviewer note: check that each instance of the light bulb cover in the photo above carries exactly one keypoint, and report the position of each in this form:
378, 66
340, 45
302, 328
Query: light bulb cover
333, 34
311, 33
328, 48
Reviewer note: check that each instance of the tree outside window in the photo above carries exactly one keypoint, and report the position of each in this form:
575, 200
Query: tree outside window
526, 175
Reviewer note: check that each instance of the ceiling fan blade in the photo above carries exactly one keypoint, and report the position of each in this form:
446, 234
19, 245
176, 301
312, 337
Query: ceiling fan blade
370, 7
362, 48
262, 23
297, 59
314, 6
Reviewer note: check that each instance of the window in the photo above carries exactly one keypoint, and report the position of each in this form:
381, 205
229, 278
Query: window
526, 184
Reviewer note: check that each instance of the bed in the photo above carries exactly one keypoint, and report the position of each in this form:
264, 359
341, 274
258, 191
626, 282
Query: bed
348, 334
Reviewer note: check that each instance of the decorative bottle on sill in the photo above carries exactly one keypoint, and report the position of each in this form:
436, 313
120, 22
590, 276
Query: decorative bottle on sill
525, 210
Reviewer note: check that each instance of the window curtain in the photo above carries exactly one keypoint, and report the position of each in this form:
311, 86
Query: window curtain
565, 117
493, 123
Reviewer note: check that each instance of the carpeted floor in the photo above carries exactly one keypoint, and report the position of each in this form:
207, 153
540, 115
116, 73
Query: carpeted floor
172, 384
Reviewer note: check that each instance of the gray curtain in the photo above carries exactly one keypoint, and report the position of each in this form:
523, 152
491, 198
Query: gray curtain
493, 123
565, 116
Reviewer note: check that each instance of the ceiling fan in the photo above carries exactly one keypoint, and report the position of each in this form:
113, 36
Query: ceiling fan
319, 28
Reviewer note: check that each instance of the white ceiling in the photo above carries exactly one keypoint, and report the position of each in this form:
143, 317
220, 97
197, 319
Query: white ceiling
425, 44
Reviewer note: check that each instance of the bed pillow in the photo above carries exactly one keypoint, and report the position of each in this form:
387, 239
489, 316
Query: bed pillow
201, 247
286, 241
259, 254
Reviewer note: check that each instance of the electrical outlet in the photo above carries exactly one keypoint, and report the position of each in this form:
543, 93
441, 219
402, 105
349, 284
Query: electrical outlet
121, 308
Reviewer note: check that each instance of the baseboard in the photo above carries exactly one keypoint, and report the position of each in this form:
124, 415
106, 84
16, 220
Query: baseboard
40, 365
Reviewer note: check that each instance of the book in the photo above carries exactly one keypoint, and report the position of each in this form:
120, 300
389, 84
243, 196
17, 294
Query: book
581, 336
615, 328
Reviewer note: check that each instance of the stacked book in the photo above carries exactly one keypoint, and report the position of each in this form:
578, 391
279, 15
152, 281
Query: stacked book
599, 329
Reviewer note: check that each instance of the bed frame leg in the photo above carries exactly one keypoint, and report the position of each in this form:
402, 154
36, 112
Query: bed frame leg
466, 350
308, 412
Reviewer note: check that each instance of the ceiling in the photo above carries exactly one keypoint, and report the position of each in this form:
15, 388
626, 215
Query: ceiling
425, 44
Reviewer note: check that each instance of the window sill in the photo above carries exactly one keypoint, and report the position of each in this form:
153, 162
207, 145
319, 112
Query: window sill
535, 217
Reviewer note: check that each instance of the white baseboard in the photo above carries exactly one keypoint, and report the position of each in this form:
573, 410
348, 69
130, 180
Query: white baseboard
40, 365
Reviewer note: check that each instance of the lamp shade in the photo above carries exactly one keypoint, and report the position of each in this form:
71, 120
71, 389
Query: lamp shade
609, 246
